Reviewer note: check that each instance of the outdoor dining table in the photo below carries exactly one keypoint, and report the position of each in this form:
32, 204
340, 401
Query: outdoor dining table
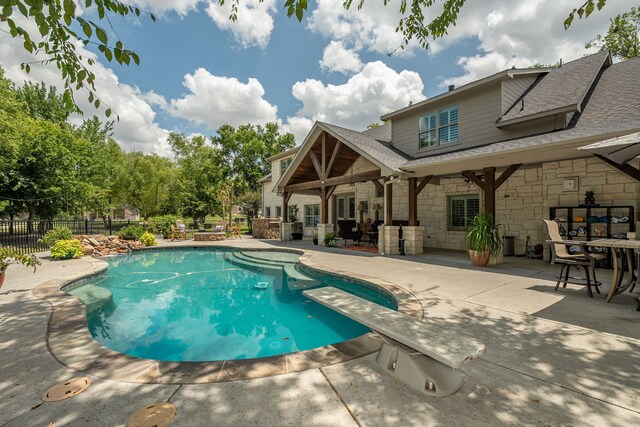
622, 253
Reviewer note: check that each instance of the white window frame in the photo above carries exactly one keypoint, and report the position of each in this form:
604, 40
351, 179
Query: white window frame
312, 219
431, 128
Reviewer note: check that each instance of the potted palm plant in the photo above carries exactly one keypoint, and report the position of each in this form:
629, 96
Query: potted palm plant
483, 239
10, 256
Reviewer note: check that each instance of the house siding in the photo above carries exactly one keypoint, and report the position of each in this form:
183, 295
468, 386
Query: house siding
478, 112
513, 89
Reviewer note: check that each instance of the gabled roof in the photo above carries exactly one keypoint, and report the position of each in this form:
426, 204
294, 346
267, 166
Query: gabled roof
502, 75
563, 89
612, 109
283, 154
266, 178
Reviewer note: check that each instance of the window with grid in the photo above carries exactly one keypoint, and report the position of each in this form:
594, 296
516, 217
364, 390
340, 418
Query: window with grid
427, 129
311, 215
462, 210
448, 125
284, 164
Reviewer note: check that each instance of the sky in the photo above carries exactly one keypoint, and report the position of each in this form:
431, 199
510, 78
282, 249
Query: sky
199, 70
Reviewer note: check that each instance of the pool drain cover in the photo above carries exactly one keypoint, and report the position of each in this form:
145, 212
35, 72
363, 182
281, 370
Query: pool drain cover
67, 389
154, 415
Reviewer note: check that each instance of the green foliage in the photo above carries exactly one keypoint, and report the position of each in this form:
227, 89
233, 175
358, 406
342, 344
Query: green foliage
293, 213
330, 240
161, 224
587, 8
483, 235
57, 22
135, 231
623, 37
65, 249
60, 233
148, 239
11, 256
45, 104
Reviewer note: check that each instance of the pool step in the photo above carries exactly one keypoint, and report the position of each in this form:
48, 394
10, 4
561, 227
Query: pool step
253, 265
274, 257
300, 281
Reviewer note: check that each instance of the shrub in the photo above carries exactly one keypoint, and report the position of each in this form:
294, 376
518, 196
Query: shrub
330, 240
134, 231
11, 256
161, 224
65, 249
148, 239
60, 233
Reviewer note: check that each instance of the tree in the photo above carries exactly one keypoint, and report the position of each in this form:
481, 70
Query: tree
45, 104
623, 37
57, 20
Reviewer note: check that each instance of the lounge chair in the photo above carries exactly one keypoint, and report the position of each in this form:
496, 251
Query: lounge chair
585, 259
348, 229
178, 232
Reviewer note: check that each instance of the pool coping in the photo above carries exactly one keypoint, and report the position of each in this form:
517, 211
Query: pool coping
69, 341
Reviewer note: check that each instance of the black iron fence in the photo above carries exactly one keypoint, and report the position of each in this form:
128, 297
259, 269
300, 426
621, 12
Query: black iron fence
24, 236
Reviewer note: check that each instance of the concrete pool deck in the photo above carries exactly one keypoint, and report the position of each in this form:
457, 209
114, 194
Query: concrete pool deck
553, 358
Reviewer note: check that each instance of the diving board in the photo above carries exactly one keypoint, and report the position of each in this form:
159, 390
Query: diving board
434, 353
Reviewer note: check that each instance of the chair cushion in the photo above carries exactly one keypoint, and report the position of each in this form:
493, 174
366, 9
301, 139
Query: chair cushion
218, 228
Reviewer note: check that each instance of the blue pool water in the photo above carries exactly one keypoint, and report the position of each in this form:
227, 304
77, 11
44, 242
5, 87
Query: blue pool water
206, 305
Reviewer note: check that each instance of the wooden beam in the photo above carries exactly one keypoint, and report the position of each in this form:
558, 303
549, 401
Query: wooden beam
330, 190
324, 156
378, 185
473, 178
423, 183
334, 155
344, 179
626, 169
506, 174
388, 199
316, 164
324, 206
490, 191
413, 200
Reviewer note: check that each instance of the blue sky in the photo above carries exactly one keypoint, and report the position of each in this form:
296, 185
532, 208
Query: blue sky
198, 70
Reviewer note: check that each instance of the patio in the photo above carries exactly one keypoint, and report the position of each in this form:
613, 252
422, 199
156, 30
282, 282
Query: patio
552, 357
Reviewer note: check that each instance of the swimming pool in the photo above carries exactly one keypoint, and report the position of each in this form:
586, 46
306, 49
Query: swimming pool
212, 304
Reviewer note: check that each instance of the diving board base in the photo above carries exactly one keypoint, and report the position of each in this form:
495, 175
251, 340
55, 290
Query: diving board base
418, 371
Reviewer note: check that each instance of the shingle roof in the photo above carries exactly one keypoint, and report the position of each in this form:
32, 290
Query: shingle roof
370, 145
562, 88
381, 133
614, 106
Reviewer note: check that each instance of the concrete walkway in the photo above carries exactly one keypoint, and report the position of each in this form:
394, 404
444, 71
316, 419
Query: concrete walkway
553, 358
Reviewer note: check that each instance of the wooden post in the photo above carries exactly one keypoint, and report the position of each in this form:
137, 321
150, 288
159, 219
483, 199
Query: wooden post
285, 206
413, 201
324, 209
388, 201
490, 191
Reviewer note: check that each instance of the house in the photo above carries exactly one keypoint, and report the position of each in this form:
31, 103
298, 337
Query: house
506, 144
308, 206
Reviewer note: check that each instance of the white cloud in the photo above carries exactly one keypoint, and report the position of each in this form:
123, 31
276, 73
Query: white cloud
217, 100
337, 58
136, 129
181, 7
254, 24
376, 90
522, 34
372, 28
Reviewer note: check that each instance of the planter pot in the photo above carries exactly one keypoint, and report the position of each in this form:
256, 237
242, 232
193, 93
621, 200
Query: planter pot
296, 236
315, 242
480, 259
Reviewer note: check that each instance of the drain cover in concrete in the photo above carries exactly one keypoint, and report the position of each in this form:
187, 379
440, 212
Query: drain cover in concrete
67, 389
154, 415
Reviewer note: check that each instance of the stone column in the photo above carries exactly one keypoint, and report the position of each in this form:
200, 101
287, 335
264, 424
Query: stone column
413, 240
390, 241
285, 231
323, 229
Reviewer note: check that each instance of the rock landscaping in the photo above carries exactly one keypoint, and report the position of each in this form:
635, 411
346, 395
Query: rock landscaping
100, 245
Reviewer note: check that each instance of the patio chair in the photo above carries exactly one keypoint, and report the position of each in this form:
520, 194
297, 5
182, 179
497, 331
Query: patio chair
235, 231
178, 232
348, 229
585, 259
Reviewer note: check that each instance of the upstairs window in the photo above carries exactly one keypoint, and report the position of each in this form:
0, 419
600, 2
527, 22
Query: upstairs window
438, 129
448, 126
428, 131
284, 164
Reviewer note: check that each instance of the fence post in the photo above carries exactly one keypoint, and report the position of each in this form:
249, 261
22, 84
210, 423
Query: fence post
86, 226
110, 227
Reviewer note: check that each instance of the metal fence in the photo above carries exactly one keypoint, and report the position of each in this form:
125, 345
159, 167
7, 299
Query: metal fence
24, 236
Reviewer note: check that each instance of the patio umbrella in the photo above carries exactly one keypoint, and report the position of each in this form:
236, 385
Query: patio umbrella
621, 149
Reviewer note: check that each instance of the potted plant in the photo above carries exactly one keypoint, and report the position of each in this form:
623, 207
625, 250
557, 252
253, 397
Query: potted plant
483, 239
330, 240
10, 256
315, 238
296, 231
